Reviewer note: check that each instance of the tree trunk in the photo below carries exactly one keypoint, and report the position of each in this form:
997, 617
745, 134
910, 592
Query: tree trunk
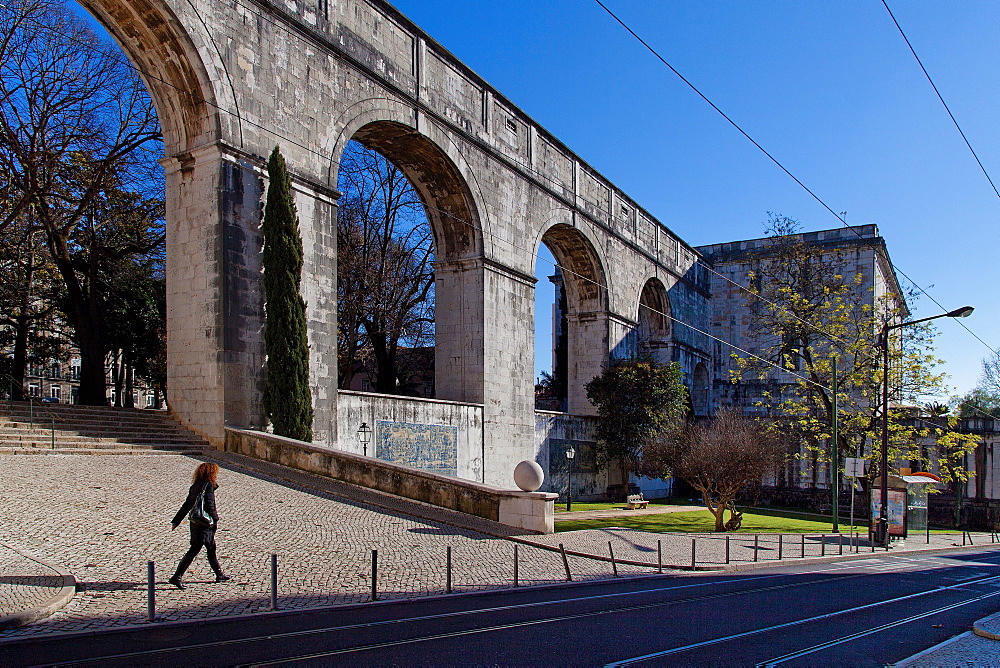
128, 400
19, 363
86, 321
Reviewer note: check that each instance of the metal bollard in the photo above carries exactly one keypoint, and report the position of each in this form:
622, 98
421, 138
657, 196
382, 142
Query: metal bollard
151, 591
448, 569
53, 443
569, 576
781, 545
802, 554
659, 557
694, 549
756, 546
374, 575
614, 566
274, 582
515, 566
727, 549
822, 546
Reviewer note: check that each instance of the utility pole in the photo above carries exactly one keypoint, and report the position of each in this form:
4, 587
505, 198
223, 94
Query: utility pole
835, 429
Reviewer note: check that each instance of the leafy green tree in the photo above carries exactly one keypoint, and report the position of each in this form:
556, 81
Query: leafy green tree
720, 458
806, 313
636, 399
287, 397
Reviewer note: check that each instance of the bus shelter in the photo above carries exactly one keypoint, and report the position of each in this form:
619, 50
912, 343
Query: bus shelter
907, 509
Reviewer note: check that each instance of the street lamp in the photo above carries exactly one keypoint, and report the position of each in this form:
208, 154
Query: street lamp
365, 435
570, 454
882, 528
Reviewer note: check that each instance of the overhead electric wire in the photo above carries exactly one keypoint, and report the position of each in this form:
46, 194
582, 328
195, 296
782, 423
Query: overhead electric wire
776, 161
941, 98
470, 224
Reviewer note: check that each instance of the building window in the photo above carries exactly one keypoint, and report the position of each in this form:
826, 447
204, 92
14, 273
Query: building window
150, 399
34, 390
55, 370
55, 391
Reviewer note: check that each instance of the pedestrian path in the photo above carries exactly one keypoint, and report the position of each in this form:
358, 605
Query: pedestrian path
105, 518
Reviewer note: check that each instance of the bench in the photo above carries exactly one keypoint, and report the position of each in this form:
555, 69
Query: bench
634, 501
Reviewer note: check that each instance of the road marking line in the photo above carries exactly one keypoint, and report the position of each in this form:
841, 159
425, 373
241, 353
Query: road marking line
829, 615
862, 634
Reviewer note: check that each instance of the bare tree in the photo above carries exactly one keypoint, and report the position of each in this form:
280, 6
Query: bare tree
77, 129
385, 273
719, 458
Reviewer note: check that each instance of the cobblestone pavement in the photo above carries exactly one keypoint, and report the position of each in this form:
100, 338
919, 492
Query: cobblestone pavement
103, 518
25, 583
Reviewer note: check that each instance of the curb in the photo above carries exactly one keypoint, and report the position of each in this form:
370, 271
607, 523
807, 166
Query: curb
62, 597
982, 627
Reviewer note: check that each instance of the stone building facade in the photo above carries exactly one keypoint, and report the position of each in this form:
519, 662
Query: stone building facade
855, 250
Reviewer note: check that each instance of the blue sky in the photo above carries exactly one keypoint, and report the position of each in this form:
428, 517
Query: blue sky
830, 89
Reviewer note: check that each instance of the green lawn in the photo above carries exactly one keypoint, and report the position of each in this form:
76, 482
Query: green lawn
699, 520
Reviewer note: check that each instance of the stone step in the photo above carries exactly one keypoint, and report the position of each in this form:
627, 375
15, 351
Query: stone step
80, 429
42, 414
14, 429
87, 450
99, 442
123, 432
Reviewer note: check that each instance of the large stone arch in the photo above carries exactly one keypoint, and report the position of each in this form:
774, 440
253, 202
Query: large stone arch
454, 216
182, 69
585, 281
212, 198
450, 204
654, 333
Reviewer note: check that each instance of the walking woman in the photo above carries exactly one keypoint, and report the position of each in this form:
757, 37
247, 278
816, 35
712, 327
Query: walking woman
203, 518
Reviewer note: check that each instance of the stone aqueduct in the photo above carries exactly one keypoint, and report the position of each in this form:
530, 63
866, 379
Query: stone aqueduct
233, 78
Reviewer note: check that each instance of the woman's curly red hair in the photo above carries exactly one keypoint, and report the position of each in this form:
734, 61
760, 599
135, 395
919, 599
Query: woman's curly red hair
206, 471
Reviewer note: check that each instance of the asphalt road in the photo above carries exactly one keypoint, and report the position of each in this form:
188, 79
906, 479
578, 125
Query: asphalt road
871, 611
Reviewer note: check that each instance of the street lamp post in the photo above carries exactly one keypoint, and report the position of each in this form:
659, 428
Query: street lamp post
364, 435
570, 454
882, 528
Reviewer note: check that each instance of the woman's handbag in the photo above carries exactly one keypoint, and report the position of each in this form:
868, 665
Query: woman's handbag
198, 516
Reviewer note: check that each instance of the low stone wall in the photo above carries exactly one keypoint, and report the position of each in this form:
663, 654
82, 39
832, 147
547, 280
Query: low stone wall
443, 437
531, 511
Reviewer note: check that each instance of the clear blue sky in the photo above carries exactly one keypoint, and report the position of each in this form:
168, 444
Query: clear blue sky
830, 89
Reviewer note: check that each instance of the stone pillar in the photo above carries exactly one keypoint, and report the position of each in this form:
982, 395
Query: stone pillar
588, 352
215, 300
194, 370
509, 401
317, 211
458, 331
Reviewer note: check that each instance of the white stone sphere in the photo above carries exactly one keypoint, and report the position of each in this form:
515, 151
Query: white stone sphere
528, 475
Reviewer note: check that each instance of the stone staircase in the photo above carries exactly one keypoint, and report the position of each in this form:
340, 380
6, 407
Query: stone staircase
61, 428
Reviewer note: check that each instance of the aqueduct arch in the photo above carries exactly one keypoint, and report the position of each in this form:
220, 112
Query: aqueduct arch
231, 80
585, 282
655, 326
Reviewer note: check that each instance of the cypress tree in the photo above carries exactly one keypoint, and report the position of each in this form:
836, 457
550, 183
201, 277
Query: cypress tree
287, 399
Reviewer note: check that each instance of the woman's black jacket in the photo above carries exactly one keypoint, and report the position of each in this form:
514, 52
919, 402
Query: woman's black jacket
192, 496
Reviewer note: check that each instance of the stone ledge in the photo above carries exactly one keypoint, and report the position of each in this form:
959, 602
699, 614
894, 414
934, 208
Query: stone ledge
65, 594
532, 511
